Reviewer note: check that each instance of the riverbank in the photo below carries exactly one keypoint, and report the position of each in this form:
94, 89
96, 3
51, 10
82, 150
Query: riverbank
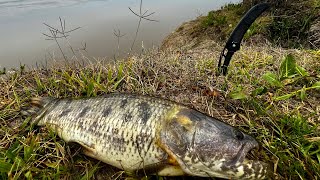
281, 112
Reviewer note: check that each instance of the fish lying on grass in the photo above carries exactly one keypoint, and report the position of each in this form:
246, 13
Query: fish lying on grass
150, 135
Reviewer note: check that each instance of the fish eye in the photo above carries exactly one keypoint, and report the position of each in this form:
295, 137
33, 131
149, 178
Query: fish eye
238, 134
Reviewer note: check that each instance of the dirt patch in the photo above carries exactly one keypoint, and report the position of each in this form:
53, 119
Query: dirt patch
190, 35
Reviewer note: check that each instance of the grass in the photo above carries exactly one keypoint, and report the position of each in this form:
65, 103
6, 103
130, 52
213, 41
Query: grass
291, 23
254, 97
286, 24
222, 22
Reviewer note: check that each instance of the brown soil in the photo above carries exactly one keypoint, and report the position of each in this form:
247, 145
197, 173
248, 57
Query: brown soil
190, 35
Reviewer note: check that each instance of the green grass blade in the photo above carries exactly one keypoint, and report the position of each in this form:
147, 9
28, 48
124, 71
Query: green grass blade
272, 79
238, 95
284, 97
5, 167
288, 67
91, 172
301, 71
316, 85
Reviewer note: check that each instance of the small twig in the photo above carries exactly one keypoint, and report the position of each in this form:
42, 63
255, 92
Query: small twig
141, 16
84, 47
52, 37
118, 35
58, 34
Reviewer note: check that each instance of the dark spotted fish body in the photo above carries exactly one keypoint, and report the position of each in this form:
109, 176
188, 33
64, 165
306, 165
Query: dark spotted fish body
156, 136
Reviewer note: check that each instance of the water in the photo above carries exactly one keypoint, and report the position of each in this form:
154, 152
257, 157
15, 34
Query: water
22, 28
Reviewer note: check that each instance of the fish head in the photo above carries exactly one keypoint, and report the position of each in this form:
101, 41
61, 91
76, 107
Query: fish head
204, 146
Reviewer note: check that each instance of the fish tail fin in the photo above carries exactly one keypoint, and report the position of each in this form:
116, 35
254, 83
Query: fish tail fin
37, 107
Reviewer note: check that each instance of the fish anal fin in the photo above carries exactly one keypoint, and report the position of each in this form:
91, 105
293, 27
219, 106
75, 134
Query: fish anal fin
88, 149
55, 128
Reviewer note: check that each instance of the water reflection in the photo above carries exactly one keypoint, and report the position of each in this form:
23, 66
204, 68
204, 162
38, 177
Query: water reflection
22, 26
17, 6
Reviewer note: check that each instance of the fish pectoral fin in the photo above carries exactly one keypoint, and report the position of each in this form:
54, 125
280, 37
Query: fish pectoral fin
88, 150
171, 170
163, 168
151, 169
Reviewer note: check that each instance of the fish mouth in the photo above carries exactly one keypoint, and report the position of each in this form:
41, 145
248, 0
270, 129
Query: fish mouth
251, 169
240, 157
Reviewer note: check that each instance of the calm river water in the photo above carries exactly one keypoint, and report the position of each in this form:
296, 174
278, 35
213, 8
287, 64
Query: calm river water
22, 28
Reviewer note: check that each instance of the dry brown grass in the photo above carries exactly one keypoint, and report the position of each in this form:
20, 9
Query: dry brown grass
185, 77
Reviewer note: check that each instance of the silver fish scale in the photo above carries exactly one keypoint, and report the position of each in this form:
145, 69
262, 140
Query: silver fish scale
120, 130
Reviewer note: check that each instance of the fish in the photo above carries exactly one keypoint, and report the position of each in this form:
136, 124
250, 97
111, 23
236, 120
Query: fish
138, 133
